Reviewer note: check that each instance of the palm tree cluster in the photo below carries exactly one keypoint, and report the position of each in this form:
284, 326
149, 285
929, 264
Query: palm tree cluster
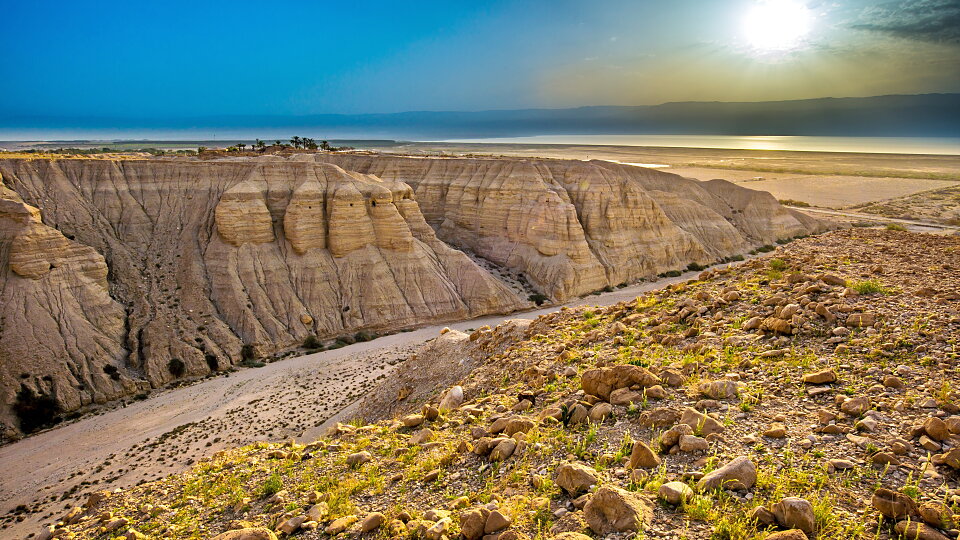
296, 142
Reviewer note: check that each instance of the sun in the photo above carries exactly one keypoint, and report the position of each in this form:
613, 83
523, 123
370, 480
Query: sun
777, 25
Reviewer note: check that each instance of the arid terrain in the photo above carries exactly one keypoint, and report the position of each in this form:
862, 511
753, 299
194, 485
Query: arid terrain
914, 184
812, 392
175, 427
120, 276
260, 260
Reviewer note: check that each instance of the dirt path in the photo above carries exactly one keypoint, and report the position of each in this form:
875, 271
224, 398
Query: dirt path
173, 428
919, 226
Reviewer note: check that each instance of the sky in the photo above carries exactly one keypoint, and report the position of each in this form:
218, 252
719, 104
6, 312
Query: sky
135, 59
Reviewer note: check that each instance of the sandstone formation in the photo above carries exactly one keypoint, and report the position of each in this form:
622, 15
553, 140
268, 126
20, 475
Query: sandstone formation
574, 227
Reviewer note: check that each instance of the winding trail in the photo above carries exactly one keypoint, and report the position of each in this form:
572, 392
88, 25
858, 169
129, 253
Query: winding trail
173, 428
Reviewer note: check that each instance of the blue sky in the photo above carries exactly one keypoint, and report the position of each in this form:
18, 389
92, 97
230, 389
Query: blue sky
152, 59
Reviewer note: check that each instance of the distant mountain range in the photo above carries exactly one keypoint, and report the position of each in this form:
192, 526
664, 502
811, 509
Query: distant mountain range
928, 115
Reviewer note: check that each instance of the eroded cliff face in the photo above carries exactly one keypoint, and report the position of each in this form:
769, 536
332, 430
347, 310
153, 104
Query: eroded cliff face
139, 272
574, 227
61, 334
202, 258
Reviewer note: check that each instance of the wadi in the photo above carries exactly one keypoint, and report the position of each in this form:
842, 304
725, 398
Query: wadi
165, 269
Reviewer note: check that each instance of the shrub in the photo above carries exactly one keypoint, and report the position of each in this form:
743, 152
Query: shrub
538, 298
176, 367
895, 227
778, 264
695, 267
672, 273
870, 286
312, 343
362, 336
792, 202
765, 249
35, 411
271, 486
248, 353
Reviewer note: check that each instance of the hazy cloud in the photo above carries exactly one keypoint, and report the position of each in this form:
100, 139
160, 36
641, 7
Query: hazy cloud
923, 20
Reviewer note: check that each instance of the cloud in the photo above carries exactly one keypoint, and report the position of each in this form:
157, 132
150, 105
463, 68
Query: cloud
936, 21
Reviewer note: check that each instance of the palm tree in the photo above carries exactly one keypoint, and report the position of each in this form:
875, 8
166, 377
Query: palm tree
259, 145
241, 146
295, 141
278, 142
324, 145
309, 143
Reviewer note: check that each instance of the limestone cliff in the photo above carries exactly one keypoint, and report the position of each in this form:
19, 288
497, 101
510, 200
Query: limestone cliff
574, 227
144, 271
203, 258
61, 334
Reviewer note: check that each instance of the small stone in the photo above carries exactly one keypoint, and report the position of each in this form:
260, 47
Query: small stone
355, 460
613, 510
675, 493
776, 431
412, 420
740, 473
936, 428
373, 521
576, 478
824, 376
692, 443
643, 456
915, 530
795, 513
892, 504
496, 521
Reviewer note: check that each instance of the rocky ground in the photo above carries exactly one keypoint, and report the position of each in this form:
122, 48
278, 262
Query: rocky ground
811, 394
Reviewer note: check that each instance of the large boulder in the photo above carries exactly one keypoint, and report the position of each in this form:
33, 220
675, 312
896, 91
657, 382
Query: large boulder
740, 473
613, 510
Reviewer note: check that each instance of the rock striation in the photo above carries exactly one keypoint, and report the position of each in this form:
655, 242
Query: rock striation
574, 227
204, 258
144, 271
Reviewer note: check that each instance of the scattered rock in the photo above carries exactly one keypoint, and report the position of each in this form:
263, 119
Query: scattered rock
576, 478
740, 473
675, 493
795, 513
612, 510
642, 456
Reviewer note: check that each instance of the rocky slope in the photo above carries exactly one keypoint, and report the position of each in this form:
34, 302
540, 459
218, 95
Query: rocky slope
574, 227
144, 271
812, 394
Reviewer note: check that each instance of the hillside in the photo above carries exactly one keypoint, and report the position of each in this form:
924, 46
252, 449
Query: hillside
809, 394
121, 276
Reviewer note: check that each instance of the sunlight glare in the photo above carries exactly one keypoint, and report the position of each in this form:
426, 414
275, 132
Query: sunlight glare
777, 25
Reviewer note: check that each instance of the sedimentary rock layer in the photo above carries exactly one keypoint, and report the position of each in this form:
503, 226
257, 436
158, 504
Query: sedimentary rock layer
118, 276
574, 227
204, 258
